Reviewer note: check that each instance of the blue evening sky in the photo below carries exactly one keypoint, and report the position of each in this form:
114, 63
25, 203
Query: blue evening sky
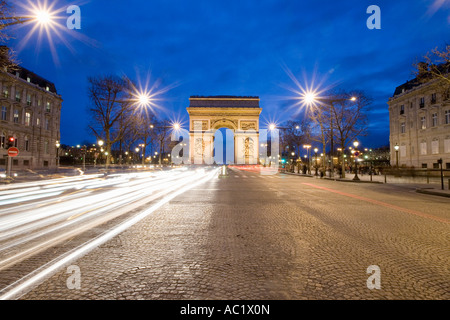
236, 47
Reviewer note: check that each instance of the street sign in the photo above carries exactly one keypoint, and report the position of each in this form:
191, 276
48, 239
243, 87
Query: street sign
356, 153
13, 152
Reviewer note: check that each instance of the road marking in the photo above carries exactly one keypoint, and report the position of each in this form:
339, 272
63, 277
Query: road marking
380, 203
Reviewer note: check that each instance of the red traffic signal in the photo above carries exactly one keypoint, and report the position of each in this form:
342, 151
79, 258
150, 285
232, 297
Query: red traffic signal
11, 140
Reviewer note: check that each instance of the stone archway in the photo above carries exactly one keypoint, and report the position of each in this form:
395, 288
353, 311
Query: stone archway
239, 114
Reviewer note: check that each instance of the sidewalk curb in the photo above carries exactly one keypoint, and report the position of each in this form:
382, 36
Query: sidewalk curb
357, 181
332, 179
434, 193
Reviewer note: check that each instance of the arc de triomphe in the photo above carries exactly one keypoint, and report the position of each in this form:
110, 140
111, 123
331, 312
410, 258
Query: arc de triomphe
207, 114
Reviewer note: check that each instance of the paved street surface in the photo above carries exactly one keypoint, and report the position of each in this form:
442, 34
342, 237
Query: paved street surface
245, 236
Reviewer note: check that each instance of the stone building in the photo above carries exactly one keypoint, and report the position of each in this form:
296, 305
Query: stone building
419, 115
30, 111
238, 115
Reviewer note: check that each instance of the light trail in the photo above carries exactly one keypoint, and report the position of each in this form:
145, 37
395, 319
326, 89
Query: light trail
53, 222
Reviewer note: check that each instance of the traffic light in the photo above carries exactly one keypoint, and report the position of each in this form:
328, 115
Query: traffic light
10, 142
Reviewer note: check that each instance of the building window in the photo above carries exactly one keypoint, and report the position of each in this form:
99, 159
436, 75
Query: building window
26, 162
402, 127
435, 147
39, 102
46, 147
18, 96
5, 92
434, 119
4, 113
423, 122
27, 144
45, 163
16, 142
402, 151
447, 145
48, 107
402, 109
3, 141
38, 122
27, 119
16, 116
424, 166
28, 99
447, 116
422, 102
433, 98
47, 124
423, 148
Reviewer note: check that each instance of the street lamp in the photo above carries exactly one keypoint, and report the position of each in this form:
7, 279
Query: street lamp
137, 153
396, 147
42, 17
307, 147
315, 155
57, 154
356, 153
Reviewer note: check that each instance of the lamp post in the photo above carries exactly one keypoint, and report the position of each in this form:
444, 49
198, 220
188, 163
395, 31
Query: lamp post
137, 154
57, 154
396, 147
315, 156
100, 144
356, 154
307, 147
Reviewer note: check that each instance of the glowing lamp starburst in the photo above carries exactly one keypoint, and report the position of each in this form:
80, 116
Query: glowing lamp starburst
143, 99
43, 17
309, 97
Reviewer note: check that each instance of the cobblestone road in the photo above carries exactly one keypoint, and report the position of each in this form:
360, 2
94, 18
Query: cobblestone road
249, 236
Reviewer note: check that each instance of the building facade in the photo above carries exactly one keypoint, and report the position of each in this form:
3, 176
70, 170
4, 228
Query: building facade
30, 111
419, 116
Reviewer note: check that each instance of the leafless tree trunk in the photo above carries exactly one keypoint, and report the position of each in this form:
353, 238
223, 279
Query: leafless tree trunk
108, 103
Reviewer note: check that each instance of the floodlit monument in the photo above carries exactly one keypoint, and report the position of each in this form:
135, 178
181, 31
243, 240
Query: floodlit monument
239, 116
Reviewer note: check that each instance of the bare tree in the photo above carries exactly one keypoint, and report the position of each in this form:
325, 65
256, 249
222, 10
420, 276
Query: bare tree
145, 124
161, 134
109, 101
295, 134
8, 58
349, 119
436, 66
320, 132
